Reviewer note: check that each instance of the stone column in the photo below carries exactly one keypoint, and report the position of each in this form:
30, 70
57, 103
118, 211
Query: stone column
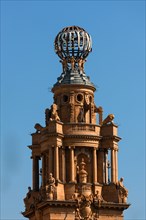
56, 162
116, 165
72, 167
35, 173
106, 167
100, 165
43, 170
94, 166
112, 165
63, 165
50, 156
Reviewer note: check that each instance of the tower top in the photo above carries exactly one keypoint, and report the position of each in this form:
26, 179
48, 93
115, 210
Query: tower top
73, 41
73, 44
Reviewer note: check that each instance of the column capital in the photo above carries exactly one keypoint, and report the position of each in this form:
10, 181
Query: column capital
115, 148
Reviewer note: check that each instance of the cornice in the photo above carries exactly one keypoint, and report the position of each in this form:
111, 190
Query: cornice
87, 137
112, 205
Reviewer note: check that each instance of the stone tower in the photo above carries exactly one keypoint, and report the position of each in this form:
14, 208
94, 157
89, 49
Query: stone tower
74, 156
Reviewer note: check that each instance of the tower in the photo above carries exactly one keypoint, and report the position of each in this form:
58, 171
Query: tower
75, 155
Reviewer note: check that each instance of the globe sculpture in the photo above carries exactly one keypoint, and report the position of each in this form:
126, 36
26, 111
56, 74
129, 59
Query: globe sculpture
72, 45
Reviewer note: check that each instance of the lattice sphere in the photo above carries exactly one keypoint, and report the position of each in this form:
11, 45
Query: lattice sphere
74, 42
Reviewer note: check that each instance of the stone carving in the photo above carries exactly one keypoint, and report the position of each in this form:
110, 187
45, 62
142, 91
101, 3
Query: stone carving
83, 210
108, 119
123, 192
28, 195
81, 62
87, 104
98, 198
51, 114
85, 203
27, 198
81, 117
72, 61
38, 128
77, 197
82, 172
64, 64
54, 113
32, 199
47, 115
50, 187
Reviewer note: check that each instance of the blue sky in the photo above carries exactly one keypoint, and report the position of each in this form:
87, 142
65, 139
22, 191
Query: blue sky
29, 68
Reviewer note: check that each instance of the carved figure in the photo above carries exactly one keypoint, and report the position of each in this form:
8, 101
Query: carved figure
38, 128
47, 115
83, 61
28, 195
49, 192
54, 113
87, 105
77, 197
108, 119
64, 64
98, 198
26, 200
50, 187
81, 117
72, 61
80, 64
51, 180
123, 192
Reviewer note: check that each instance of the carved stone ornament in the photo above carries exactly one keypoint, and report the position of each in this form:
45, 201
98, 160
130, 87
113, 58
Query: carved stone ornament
122, 191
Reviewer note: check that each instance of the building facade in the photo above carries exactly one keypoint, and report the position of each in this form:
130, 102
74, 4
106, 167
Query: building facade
75, 155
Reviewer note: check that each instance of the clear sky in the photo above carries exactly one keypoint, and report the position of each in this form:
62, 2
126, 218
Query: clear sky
29, 68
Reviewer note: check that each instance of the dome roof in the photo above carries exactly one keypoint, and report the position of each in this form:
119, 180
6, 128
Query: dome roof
75, 78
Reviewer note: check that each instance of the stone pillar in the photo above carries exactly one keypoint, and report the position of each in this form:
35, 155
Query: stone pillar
106, 167
35, 173
72, 167
43, 170
100, 165
112, 165
63, 165
94, 166
50, 156
56, 162
116, 165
